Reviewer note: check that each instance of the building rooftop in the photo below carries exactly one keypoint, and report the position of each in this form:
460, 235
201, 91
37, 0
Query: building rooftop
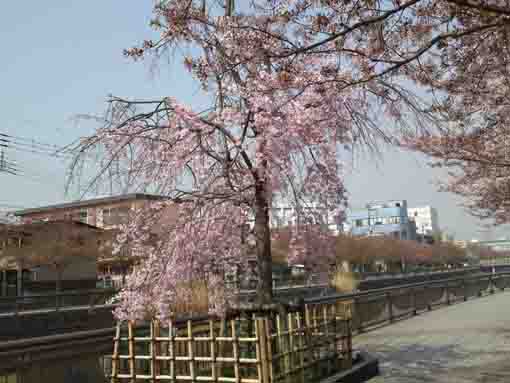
31, 228
89, 202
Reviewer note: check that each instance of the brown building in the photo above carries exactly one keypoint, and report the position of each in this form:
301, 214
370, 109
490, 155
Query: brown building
105, 213
48, 256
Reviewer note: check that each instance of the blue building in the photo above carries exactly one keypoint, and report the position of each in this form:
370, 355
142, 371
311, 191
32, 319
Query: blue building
381, 218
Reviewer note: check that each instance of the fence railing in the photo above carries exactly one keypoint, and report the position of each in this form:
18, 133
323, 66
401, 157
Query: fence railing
64, 300
299, 346
304, 345
375, 307
394, 275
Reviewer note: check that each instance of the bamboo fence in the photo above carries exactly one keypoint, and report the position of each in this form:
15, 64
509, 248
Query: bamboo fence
312, 343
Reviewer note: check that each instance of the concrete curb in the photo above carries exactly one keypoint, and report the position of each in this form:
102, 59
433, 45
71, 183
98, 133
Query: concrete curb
364, 368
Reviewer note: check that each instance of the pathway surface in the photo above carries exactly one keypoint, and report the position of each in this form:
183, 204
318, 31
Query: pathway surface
464, 343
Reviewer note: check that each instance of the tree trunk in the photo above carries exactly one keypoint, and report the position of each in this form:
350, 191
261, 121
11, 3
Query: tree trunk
263, 242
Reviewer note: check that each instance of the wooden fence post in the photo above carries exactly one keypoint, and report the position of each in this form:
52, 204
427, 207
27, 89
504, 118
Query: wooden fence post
291, 330
235, 350
155, 370
282, 347
115, 356
131, 346
262, 340
221, 345
191, 355
301, 345
214, 368
171, 350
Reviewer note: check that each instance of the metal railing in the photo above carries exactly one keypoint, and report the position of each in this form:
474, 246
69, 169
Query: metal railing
53, 302
396, 275
375, 307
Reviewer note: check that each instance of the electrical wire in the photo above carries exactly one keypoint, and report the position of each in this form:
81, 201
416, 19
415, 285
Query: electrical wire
15, 169
29, 141
38, 152
32, 146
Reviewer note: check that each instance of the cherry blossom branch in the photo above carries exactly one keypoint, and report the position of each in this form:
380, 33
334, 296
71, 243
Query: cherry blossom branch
482, 7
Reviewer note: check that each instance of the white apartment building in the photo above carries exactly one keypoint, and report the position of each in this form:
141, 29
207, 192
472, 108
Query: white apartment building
4, 218
284, 215
426, 219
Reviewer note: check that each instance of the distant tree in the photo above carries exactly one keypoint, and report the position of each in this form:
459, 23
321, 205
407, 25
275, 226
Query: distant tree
395, 252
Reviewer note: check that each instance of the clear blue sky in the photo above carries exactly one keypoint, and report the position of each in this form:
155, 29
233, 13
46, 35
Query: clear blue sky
63, 58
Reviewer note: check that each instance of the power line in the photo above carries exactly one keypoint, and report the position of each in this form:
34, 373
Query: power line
24, 168
23, 173
12, 146
13, 168
29, 141
32, 146
42, 152
35, 147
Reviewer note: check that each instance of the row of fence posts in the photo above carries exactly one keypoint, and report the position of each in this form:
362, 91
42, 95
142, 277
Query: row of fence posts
449, 298
305, 345
299, 346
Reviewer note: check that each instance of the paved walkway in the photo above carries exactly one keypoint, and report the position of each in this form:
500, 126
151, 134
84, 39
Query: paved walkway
464, 343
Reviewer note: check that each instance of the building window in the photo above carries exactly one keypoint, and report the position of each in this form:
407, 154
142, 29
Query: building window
83, 216
115, 216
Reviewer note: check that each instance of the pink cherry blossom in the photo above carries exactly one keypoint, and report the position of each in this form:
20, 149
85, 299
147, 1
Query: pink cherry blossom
290, 83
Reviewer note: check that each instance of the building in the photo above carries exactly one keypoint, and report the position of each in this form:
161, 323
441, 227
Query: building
426, 219
285, 216
105, 213
381, 218
44, 256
